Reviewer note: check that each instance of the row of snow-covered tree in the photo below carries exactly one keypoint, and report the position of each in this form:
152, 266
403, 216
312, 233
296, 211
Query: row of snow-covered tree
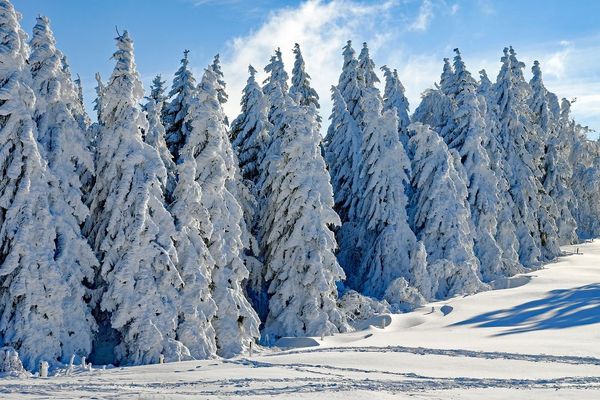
163, 229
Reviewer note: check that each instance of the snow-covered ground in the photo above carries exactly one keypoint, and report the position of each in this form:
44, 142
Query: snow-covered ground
537, 340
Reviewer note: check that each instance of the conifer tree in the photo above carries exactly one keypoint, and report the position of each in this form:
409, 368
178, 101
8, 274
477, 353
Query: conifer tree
130, 229
250, 130
155, 137
195, 263
301, 267
366, 68
235, 323
182, 92
301, 89
216, 67
157, 90
349, 83
390, 248
250, 136
275, 84
441, 216
394, 98
342, 152
467, 137
534, 227
506, 231
43, 310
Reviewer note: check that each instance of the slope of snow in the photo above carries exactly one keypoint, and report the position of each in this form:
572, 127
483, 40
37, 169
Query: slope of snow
538, 339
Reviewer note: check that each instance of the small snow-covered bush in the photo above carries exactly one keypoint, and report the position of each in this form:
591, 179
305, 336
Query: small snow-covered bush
10, 363
359, 307
403, 297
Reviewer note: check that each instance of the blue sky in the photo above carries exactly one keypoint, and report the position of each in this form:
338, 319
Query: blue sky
411, 35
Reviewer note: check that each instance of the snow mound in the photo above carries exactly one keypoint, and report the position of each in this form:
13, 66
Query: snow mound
510, 283
379, 321
296, 342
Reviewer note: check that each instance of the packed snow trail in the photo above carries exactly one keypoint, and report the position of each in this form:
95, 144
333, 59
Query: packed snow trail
536, 340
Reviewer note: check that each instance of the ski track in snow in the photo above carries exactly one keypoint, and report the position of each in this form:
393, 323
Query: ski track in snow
576, 360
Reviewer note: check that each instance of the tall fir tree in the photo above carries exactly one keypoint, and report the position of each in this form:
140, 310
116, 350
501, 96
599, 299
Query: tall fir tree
129, 227
389, 246
195, 263
275, 84
468, 138
236, 323
506, 237
301, 90
175, 111
250, 136
155, 137
513, 134
366, 68
157, 90
350, 81
299, 244
394, 99
440, 214
44, 314
222, 89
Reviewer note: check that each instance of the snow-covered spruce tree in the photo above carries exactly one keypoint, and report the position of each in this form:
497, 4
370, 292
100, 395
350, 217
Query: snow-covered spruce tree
195, 263
85, 120
236, 323
366, 68
468, 138
157, 90
394, 98
441, 216
447, 79
129, 227
276, 82
342, 153
301, 267
506, 237
216, 67
557, 183
250, 136
250, 130
155, 137
301, 89
532, 211
350, 81
64, 145
436, 110
583, 159
175, 111
98, 100
539, 103
43, 312
390, 248
223, 97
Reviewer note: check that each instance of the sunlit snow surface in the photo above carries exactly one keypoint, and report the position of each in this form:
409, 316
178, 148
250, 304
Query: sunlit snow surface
540, 339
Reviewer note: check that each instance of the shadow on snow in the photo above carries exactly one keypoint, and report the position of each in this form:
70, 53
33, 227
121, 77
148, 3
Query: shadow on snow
562, 308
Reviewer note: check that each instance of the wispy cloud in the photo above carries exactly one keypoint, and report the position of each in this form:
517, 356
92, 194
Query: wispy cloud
421, 23
323, 27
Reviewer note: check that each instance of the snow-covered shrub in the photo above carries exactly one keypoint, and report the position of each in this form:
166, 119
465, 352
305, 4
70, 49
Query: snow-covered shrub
360, 307
10, 363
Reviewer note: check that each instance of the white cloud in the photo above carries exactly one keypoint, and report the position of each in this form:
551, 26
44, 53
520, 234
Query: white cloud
454, 8
321, 29
421, 23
